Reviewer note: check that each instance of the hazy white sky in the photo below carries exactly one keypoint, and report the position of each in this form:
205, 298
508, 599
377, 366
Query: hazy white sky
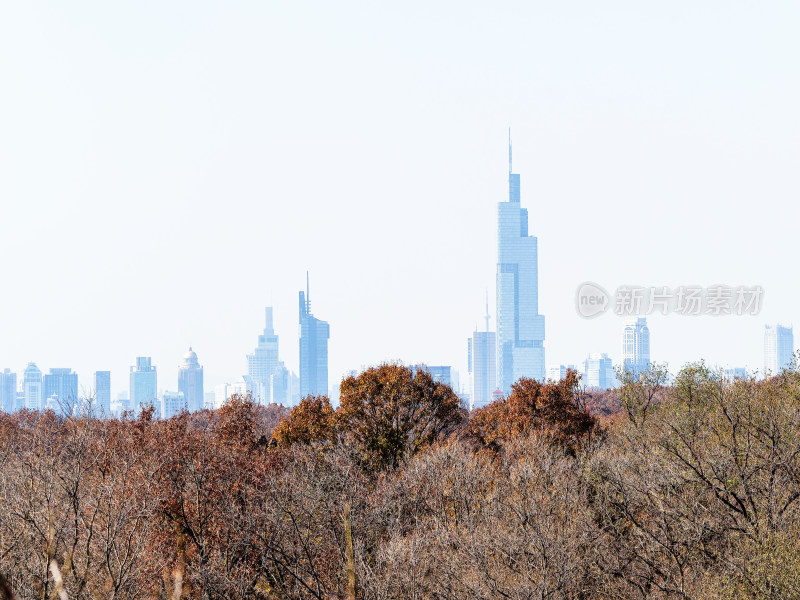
167, 169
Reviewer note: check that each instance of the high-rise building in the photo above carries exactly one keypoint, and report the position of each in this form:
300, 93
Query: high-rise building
520, 327
635, 345
144, 390
61, 390
598, 372
558, 372
734, 373
173, 403
8, 391
190, 381
439, 373
482, 364
264, 365
32, 387
120, 404
102, 393
246, 386
314, 335
778, 348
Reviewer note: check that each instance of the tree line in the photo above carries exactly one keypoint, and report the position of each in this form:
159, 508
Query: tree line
689, 490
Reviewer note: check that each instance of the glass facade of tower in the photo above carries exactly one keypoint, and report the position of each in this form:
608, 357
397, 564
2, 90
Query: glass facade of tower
314, 335
778, 349
172, 404
481, 356
143, 382
102, 393
61, 390
264, 366
598, 372
8, 391
520, 327
32, 387
190, 382
635, 345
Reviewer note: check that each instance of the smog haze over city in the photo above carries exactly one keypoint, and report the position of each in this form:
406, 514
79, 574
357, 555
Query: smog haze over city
171, 168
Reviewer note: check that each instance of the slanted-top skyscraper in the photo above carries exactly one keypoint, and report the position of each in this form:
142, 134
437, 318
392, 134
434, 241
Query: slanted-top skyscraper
520, 327
314, 334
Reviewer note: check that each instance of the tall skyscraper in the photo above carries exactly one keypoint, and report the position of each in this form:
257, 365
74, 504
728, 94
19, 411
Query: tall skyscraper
520, 327
144, 389
778, 348
8, 391
314, 335
264, 365
190, 382
102, 393
598, 372
32, 387
61, 390
482, 364
635, 345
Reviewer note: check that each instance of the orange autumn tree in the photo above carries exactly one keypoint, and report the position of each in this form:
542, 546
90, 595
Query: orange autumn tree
551, 408
311, 422
390, 412
387, 413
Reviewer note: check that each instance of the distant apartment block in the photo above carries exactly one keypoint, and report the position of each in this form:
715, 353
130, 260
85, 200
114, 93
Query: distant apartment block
778, 348
734, 373
558, 372
440, 374
598, 372
172, 404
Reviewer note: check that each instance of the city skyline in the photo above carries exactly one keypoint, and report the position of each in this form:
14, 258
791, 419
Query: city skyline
377, 165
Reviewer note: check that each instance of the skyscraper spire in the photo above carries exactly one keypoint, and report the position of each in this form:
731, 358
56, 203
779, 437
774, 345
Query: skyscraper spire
308, 296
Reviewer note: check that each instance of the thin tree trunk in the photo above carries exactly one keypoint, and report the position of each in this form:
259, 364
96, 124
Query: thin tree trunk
351, 567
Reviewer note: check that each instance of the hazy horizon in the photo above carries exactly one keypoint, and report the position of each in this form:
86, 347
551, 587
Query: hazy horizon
168, 170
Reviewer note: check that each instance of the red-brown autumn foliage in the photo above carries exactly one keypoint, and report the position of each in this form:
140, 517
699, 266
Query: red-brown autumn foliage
310, 422
388, 413
532, 407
